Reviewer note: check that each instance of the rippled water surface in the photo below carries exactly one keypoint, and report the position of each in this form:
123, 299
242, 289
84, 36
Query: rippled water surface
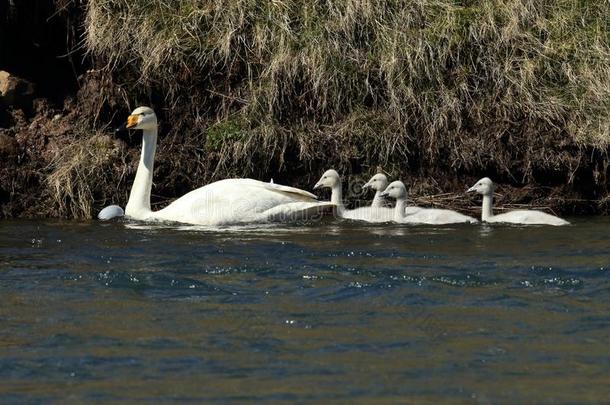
119, 312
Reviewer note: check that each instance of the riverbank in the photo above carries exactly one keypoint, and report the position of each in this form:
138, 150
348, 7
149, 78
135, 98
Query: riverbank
435, 94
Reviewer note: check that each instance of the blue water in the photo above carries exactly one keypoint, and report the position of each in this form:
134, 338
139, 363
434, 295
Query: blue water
123, 312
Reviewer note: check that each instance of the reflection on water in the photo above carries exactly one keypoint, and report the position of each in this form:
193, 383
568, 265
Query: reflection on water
334, 311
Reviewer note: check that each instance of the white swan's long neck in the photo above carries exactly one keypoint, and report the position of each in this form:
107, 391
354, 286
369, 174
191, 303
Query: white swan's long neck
138, 205
378, 200
336, 197
487, 212
399, 210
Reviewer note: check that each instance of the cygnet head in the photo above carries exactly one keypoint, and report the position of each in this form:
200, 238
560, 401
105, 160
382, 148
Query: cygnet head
396, 189
484, 186
141, 118
378, 182
329, 179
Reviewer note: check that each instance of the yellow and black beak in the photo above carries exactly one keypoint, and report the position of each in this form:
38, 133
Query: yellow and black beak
132, 121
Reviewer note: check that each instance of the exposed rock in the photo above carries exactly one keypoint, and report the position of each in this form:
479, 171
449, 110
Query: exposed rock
9, 148
5, 79
15, 91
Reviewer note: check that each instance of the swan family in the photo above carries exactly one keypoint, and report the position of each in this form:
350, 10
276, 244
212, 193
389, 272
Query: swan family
240, 201
225, 202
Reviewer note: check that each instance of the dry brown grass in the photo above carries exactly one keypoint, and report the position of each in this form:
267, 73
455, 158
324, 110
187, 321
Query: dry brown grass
440, 66
515, 89
81, 173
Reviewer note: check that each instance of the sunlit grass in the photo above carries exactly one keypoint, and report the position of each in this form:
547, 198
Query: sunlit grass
512, 87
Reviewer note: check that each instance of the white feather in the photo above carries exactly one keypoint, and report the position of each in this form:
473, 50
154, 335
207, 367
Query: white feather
110, 212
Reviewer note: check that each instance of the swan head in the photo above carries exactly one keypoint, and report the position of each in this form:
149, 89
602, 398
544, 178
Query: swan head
378, 182
329, 179
141, 118
395, 189
484, 186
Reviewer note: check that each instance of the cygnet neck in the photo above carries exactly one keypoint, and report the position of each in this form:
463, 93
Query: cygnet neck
487, 210
399, 210
378, 200
336, 196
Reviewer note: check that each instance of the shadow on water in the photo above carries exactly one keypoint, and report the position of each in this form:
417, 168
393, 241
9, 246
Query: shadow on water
332, 311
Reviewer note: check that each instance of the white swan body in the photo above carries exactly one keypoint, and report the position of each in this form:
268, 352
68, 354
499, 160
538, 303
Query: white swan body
438, 216
527, 217
412, 209
330, 179
370, 214
485, 187
236, 201
432, 216
225, 202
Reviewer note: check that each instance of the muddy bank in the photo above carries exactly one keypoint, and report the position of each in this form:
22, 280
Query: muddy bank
55, 163
288, 111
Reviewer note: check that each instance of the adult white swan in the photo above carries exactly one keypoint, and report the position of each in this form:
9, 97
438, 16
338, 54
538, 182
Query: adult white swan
330, 179
231, 201
433, 216
485, 187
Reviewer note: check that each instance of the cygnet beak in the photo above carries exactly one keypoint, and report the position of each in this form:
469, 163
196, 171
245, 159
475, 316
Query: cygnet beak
317, 186
384, 193
471, 189
366, 185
